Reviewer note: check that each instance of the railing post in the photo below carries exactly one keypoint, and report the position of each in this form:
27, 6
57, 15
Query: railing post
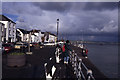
75, 63
73, 59
79, 68
70, 56
89, 73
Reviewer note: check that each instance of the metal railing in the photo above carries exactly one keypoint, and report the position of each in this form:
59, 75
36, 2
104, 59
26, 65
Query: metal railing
78, 67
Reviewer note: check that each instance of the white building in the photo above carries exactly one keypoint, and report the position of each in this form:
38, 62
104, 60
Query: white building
22, 35
52, 38
10, 29
2, 32
35, 36
48, 37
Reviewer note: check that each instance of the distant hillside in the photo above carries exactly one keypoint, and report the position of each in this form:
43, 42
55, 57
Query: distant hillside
95, 42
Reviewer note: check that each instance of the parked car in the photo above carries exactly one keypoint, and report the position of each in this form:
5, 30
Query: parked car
33, 44
20, 45
7, 47
49, 43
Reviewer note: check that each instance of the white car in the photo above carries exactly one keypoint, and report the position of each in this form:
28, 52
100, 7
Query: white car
61, 42
49, 44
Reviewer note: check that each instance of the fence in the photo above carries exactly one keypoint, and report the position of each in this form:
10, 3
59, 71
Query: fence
78, 67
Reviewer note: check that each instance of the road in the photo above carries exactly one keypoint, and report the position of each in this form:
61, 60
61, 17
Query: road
34, 67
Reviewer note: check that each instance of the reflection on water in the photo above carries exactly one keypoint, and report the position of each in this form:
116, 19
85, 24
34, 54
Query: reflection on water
105, 57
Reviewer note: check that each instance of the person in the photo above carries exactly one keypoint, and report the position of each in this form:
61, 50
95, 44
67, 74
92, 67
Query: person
84, 52
65, 51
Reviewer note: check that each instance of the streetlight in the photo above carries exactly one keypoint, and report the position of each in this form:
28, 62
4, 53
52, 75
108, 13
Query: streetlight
29, 44
57, 28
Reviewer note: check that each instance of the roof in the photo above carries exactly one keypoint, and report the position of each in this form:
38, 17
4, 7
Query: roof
51, 33
24, 31
4, 18
42, 32
34, 30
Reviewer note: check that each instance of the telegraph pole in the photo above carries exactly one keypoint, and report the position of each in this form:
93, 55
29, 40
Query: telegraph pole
57, 28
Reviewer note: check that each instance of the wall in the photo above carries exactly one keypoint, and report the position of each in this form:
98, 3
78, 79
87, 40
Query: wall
7, 30
10, 31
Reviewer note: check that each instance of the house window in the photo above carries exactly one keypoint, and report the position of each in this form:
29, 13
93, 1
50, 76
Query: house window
9, 32
2, 28
5, 32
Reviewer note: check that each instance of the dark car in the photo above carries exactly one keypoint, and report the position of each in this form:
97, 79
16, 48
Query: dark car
8, 47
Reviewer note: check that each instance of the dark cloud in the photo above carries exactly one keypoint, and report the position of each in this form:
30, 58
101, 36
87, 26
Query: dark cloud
53, 6
20, 8
66, 6
88, 18
100, 6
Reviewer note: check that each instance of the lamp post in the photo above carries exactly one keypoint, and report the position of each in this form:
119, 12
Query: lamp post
29, 44
57, 28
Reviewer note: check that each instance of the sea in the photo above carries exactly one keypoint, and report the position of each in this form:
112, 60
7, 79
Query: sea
105, 58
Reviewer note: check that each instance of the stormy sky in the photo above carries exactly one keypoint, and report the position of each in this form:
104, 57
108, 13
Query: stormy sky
96, 21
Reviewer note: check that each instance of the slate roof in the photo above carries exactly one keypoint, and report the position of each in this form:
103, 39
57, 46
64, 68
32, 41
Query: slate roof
4, 18
24, 31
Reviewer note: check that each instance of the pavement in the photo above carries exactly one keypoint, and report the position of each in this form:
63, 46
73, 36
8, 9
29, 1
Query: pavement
64, 71
34, 67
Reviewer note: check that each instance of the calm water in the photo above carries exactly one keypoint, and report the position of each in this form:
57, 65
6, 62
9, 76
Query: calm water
105, 57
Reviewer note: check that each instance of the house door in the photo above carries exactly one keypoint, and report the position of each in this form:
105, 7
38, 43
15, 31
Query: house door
9, 40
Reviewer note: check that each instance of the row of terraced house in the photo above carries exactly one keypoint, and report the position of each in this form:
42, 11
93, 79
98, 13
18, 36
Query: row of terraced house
9, 33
